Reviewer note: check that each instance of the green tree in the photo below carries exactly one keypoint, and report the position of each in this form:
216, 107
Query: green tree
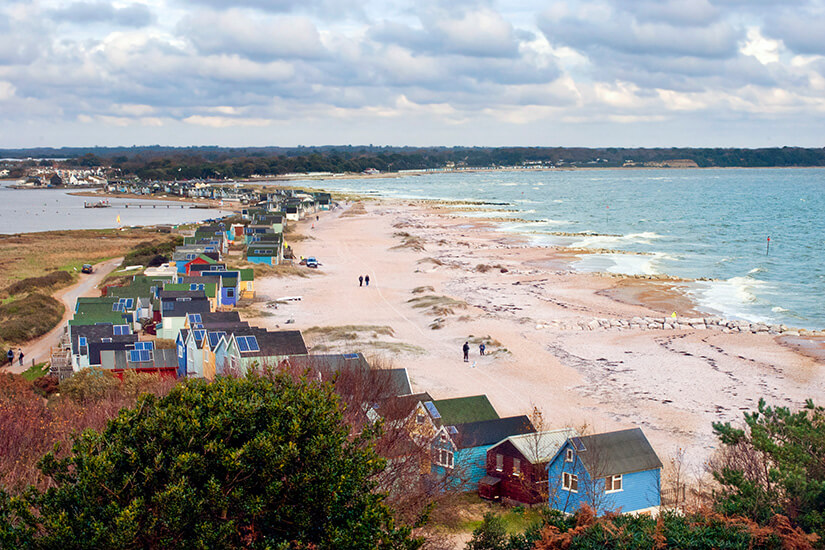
775, 466
259, 462
490, 535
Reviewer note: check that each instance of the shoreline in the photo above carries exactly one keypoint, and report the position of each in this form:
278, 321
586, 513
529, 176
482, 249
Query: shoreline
555, 337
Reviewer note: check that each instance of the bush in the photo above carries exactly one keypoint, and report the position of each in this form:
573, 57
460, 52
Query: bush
146, 252
29, 317
46, 385
53, 280
258, 462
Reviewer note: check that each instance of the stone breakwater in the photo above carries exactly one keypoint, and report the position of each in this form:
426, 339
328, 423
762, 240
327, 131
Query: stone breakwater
678, 323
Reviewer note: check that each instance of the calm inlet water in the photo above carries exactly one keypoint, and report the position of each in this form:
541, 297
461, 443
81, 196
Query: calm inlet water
31, 210
692, 223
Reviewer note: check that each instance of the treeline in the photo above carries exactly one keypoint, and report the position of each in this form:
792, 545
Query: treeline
165, 163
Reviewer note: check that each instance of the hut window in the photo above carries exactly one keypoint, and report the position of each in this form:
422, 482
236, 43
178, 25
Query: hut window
613, 483
570, 482
499, 462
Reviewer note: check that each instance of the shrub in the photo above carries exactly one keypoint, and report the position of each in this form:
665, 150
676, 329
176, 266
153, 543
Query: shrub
53, 280
29, 317
258, 462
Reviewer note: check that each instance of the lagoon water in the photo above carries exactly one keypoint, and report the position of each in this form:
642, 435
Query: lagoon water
691, 223
32, 210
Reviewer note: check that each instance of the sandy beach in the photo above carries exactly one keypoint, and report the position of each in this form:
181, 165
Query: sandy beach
438, 280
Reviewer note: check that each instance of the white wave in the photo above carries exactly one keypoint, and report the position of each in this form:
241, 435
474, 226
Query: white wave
755, 270
735, 297
625, 264
611, 241
559, 201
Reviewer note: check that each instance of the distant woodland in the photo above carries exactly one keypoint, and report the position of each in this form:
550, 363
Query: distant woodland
166, 163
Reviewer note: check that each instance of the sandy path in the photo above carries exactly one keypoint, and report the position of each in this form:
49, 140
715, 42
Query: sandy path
674, 383
39, 350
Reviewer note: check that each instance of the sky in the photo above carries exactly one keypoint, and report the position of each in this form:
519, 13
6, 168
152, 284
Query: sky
623, 73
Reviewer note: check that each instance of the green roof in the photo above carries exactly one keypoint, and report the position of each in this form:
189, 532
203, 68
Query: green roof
209, 288
461, 410
247, 274
139, 287
89, 313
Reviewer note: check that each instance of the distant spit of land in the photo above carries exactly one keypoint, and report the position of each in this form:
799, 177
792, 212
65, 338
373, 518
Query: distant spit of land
168, 163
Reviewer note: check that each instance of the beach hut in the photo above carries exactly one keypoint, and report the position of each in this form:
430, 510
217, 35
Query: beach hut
609, 472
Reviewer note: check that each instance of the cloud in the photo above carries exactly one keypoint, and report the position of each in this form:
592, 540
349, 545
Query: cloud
482, 33
132, 15
260, 39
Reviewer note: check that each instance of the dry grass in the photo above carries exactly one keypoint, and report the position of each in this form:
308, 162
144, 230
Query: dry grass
409, 241
347, 332
438, 305
422, 289
282, 270
356, 209
36, 254
434, 261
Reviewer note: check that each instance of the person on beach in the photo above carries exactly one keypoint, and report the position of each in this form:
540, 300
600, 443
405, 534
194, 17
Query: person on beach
360, 280
466, 349
10, 356
367, 279
481, 348
20, 350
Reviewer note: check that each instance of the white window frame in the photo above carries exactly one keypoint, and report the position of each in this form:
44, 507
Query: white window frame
613, 480
444, 458
499, 462
568, 455
516, 467
567, 481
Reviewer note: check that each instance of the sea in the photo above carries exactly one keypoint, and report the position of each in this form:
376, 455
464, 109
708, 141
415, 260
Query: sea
34, 210
757, 235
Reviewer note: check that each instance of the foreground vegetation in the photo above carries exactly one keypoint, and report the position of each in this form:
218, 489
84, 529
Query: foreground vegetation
264, 461
284, 460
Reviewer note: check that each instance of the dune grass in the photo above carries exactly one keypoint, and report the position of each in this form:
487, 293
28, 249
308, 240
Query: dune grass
422, 289
356, 209
347, 332
437, 305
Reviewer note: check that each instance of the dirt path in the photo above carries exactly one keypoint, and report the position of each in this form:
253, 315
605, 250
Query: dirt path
39, 350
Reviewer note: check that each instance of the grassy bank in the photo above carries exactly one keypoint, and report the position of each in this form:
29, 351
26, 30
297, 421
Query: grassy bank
30, 255
35, 265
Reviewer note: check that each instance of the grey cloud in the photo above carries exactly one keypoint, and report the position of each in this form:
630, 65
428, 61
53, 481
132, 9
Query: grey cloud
801, 32
324, 9
625, 34
133, 15
264, 39
673, 12
475, 34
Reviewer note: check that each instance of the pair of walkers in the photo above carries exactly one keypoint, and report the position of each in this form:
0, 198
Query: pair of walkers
362, 279
10, 356
466, 348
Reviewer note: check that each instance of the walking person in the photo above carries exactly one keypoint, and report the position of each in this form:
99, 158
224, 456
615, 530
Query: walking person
466, 349
10, 356
367, 279
20, 350
360, 280
481, 348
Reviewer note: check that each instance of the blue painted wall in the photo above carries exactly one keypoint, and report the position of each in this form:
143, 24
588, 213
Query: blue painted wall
639, 489
181, 351
261, 260
470, 465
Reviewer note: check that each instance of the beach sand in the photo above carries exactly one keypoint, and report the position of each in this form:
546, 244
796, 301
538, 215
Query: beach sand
471, 281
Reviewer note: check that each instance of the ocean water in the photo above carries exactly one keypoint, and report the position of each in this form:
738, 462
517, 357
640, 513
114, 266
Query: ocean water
689, 223
33, 210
